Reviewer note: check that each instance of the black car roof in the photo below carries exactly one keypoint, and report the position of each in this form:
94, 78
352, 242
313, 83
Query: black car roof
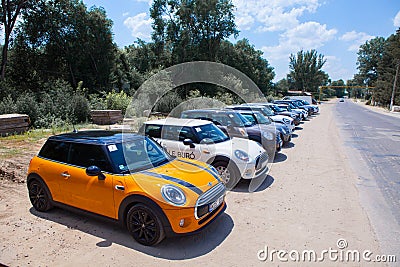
98, 137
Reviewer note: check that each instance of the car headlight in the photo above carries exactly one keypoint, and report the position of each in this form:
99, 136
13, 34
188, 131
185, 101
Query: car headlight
173, 195
286, 120
293, 116
268, 135
242, 155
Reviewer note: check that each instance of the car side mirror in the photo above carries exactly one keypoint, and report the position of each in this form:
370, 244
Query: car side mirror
188, 142
95, 171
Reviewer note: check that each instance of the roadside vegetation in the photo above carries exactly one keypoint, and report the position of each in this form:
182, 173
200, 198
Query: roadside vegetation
59, 59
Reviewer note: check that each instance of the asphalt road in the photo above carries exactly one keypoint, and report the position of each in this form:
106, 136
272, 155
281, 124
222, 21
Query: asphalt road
373, 144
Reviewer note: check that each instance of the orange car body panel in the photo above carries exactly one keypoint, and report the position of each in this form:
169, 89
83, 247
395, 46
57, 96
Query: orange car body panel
71, 185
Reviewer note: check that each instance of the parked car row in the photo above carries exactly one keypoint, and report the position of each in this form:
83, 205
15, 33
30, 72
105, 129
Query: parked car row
171, 177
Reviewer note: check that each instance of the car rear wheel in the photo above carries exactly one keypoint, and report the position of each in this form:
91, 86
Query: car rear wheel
144, 225
230, 176
39, 196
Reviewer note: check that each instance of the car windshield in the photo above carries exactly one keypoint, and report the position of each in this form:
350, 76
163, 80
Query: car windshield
245, 121
261, 118
285, 108
305, 102
137, 155
210, 133
276, 108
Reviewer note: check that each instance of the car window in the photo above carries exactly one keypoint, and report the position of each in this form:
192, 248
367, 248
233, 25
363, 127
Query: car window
137, 155
55, 150
222, 119
186, 133
210, 133
153, 131
86, 155
262, 119
249, 117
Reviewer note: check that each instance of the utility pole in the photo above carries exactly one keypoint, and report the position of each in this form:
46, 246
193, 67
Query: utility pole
394, 84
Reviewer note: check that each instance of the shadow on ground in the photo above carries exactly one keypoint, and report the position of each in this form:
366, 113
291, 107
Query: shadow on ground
279, 157
253, 185
174, 248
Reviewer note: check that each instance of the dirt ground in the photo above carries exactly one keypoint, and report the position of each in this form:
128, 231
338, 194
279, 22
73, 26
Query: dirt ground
308, 202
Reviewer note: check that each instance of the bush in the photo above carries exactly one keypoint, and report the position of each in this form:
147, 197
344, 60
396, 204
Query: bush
7, 105
118, 101
168, 102
79, 108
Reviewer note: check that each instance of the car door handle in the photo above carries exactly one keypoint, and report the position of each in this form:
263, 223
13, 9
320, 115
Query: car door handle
120, 187
66, 175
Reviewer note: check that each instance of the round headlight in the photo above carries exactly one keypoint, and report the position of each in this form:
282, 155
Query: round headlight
285, 120
242, 155
268, 135
173, 195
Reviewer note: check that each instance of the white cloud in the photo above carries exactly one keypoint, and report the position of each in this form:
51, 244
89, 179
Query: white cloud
145, 1
396, 20
273, 15
334, 67
355, 39
140, 26
308, 35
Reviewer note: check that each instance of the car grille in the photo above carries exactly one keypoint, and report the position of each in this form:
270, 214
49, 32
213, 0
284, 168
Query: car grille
261, 161
202, 205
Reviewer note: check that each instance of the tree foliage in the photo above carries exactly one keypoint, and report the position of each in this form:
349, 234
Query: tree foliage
306, 71
64, 40
369, 55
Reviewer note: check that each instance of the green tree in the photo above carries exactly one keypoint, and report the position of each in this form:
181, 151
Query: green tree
369, 56
10, 10
244, 57
340, 88
62, 39
191, 29
386, 69
305, 71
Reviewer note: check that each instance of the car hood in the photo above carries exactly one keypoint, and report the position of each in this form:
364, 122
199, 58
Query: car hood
281, 117
191, 176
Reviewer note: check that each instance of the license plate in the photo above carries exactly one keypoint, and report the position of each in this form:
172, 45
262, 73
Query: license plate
215, 204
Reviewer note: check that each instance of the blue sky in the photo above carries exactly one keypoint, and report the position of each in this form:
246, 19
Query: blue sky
335, 28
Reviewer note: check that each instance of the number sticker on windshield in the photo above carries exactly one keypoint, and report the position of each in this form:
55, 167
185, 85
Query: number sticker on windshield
112, 148
198, 129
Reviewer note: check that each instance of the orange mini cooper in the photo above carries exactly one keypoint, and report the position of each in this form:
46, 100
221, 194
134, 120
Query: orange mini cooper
129, 178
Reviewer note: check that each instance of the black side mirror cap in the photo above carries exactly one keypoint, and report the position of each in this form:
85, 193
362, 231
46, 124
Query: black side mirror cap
95, 171
189, 142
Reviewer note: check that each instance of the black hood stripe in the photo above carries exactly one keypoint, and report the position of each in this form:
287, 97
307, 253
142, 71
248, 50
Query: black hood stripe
175, 180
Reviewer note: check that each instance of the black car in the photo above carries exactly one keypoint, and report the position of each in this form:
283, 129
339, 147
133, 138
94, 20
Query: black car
235, 125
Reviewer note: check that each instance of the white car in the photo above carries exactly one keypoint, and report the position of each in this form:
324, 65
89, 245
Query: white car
201, 140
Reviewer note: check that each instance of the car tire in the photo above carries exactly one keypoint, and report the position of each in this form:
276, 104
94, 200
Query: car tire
39, 195
228, 172
144, 225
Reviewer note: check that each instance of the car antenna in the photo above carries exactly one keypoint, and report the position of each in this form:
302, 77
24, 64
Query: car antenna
75, 130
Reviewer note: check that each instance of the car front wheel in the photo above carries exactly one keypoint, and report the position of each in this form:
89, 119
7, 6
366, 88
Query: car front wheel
38, 196
144, 225
230, 176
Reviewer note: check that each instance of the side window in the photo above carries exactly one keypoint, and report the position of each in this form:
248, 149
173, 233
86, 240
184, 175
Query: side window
170, 133
186, 133
55, 150
85, 155
249, 117
153, 131
222, 119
